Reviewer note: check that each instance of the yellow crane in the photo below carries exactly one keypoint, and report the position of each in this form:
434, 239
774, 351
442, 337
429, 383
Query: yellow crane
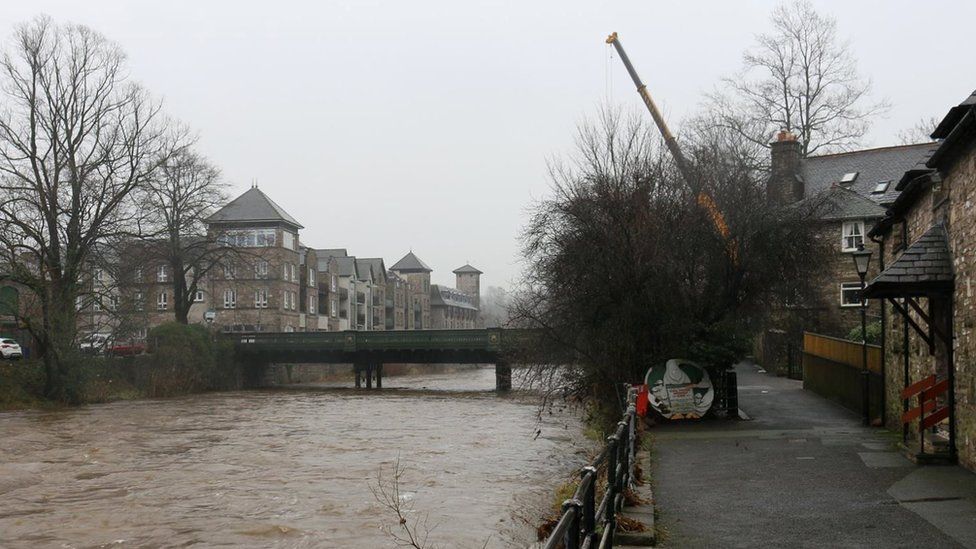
704, 199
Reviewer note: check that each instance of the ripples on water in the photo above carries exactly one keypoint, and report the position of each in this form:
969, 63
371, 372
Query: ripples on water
286, 468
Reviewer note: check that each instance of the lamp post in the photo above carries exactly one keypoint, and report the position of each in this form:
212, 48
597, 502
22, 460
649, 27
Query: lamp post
862, 258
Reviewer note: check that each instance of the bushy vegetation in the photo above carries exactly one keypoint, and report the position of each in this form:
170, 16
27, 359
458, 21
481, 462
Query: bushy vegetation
873, 333
183, 359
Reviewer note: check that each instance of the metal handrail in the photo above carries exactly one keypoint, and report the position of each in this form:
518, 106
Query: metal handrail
579, 526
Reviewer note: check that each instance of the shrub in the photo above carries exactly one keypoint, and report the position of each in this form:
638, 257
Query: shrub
187, 358
873, 333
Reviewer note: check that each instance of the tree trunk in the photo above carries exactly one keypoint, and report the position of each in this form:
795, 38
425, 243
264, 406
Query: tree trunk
63, 382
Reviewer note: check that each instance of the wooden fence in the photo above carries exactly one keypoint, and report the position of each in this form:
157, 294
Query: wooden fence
832, 369
841, 350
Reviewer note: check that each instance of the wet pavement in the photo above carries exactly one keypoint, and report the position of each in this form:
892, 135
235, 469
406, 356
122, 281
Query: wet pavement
285, 468
803, 472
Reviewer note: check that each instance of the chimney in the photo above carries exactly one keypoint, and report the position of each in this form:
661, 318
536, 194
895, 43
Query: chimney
785, 186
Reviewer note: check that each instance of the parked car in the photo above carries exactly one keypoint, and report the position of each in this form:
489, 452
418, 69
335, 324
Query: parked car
94, 344
10, 349
126, 348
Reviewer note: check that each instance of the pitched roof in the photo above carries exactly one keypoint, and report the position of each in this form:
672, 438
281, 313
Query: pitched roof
872, 166
467, 269
923, 268
376, 264
839, 202
443, 296
253, 206
411, 264
346, 266
957, 131
952, 118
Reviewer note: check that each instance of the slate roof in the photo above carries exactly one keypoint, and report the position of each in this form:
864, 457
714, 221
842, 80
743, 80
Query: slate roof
411, 264
873, 166
253, 206
953, 117
325, 255
923, 268
839, 202
467, 269
346, 266
957, 130
443, 296
376, 264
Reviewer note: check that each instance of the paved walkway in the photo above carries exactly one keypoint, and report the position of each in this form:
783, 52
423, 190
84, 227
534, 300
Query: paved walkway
802, 473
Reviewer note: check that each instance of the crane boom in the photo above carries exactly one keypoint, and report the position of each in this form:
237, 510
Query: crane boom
669, 139
704, 200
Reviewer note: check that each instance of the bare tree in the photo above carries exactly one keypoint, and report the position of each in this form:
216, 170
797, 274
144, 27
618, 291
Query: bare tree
185, 192
799, 77
408, 533
76, 139
626, 270
921, 132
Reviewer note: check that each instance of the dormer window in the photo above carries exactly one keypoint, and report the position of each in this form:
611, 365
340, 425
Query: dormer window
881, 187
848, 178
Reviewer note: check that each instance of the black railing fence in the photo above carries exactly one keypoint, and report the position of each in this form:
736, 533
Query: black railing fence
584, 524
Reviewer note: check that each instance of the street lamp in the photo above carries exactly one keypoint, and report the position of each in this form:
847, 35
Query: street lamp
862, 258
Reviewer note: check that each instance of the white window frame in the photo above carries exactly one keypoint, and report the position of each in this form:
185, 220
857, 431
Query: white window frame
162, 273
288, 240
139, 299
846, 234
335, 282
285, 296
198, 296
311, 305
311, 277
261, 299
847, 286
261, 269
230, 298
162, 301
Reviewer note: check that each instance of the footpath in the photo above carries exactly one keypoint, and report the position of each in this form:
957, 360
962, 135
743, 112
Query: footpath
802, 472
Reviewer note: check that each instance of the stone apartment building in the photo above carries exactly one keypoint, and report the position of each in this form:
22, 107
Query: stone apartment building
416, 275
458, 307
928, 243
852, 191
261, 288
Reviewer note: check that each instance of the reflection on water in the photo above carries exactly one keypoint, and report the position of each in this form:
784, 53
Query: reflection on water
287, 468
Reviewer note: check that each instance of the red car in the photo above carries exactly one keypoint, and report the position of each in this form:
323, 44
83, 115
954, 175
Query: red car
126, 348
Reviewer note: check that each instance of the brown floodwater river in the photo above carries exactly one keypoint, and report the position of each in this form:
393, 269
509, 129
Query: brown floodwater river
286, 468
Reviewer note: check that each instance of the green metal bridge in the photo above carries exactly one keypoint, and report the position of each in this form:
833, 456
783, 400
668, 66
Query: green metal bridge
368, 351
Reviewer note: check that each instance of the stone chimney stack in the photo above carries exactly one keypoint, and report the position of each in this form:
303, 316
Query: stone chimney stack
785, 185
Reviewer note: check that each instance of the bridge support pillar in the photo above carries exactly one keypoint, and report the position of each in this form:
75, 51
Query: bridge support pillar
359, 380
369, 376
379, 375
503, 376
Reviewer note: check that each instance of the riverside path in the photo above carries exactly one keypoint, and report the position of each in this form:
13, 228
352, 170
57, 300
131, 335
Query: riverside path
802, 472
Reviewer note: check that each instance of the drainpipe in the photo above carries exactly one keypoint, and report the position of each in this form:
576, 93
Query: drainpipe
884, 385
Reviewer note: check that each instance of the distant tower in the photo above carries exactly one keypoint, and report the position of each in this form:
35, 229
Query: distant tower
469, 282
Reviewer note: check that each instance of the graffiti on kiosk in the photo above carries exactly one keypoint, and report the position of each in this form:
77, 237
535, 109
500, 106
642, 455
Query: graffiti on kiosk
679, 389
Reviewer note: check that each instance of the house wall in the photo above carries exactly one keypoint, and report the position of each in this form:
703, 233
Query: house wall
952, 204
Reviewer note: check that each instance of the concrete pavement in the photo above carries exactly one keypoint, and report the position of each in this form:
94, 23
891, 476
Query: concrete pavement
803, 472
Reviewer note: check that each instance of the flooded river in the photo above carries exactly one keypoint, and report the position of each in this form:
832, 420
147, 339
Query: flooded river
285, 468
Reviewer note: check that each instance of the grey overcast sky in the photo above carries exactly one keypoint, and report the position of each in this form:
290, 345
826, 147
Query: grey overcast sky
386, 126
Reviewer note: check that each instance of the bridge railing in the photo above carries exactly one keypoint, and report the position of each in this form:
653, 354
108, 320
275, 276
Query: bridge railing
490, 339
583, 524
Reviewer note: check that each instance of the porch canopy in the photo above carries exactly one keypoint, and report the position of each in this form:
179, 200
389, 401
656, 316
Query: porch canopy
922, 270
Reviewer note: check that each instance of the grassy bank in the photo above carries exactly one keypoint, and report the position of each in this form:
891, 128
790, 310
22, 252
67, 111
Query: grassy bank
182, 360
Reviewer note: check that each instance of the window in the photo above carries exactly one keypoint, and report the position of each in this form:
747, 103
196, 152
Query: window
261, 269
288, 240
335, 307
99, 275
229, 272
139, 301
850, 294
252, 238
230, 299
97, 304
881, 187
137, 276
852, 235
335, 282
162, 274
162, 301
113, 302
261, 299
286, 300
198, 297
311, 305
311, 277
849, 177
